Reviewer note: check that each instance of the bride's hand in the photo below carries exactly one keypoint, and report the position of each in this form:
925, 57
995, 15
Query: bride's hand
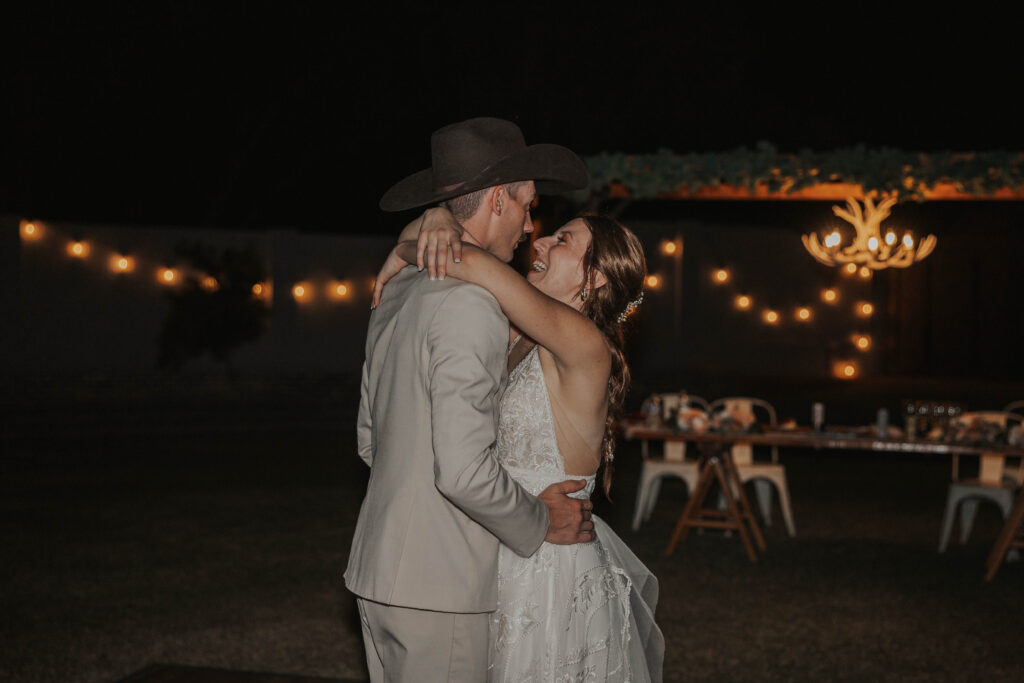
439, 232
392, 265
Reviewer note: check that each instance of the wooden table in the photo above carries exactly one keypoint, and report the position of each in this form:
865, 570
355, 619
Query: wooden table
717, 466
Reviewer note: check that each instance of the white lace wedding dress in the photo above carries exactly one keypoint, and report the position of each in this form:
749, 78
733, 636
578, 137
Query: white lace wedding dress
568, 614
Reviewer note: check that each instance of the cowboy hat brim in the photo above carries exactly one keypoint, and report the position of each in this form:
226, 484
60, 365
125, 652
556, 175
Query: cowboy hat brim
553, 168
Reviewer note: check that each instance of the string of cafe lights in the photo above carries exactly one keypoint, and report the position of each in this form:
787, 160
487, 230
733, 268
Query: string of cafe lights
121, 262
802, 314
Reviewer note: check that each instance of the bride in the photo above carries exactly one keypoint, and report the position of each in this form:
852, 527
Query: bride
568, 613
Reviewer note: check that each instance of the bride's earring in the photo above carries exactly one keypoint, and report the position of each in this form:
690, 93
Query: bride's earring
583, 294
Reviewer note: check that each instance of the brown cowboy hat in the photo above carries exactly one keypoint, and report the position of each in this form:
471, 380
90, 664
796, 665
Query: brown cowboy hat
482, 152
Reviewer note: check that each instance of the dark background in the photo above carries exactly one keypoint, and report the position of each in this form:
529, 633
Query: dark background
265, 114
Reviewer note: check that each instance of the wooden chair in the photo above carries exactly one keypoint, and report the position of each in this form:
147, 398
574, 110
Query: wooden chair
672, 463
763, 474
995, 482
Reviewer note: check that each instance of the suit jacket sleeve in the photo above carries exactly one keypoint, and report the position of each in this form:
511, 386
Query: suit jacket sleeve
468, 341
364, 423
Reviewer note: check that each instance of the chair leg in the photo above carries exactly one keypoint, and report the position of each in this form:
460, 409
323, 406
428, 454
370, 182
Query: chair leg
652, 497
763, 491
787, 512
642, 491
968, 511
947, 520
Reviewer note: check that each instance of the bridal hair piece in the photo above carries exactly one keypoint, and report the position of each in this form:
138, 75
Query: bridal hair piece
630, 307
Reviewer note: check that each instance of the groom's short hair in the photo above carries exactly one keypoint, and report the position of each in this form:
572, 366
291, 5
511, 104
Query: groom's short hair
465, 205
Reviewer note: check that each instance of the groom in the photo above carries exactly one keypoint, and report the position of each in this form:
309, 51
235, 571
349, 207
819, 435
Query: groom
424, 557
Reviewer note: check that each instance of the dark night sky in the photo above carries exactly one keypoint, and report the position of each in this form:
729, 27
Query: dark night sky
302, 114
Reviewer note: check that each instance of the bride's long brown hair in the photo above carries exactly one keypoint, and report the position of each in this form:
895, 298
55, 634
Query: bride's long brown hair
617, 253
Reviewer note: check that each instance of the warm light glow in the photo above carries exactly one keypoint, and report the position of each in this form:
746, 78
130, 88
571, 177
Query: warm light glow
338, 290
120, 263
908, 241
803, 314
30, 232
653, 281
720, 276
865, 273
78, 249
261, 290
845, 369
850, 269
829, 296
862, 342
864, 309
668, 248
209, 283
890, 238
302, 291
769, 316
167, 276
873, 243
833, 239
743, 302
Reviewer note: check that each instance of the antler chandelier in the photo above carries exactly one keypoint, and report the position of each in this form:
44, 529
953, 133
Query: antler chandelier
870, 248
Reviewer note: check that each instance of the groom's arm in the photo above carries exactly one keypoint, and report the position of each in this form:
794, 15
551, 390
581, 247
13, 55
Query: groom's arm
468, 339
364, 423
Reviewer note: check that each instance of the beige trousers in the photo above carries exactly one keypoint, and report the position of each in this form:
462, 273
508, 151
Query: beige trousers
405, 645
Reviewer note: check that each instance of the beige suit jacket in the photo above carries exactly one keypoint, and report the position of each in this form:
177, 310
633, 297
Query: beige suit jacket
437, 503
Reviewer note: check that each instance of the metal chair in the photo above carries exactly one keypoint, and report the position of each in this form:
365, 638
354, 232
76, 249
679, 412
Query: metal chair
672, 463
995, 482
763, 474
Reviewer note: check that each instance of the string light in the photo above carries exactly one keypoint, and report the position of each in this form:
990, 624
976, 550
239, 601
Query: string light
668, 247
861, 341
830, 295
720, 276
865, 309
865, 273
769, 316
338, 290
743, 302
262, 290
845, 369
302, 291
78, 249
803, 314
30, 232
167, 276
209, 283
120, 263
653, 281
850, 269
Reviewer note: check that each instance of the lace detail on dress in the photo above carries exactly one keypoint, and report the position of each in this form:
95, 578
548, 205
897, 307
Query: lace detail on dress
566, 614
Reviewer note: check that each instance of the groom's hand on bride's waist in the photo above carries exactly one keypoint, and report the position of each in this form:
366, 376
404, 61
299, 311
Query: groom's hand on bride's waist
569, 517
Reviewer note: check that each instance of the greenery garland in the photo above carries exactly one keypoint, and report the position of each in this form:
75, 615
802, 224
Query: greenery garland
886, 170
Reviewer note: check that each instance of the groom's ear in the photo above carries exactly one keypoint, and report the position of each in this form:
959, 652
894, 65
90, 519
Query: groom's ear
497, 199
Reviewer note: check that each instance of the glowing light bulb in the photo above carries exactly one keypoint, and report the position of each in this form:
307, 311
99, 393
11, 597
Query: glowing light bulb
653, 281
908, 241
743, 302
261, 290
862, 342
865, 273
890, 238
864, 309
338, 290
209, 283
769, 316
167, 276
78, 249
833, 239
720, 276
873, 243
829, 296
850, 268
845, 369
30, 232
120, 263
668, 248
301, 291
803, 314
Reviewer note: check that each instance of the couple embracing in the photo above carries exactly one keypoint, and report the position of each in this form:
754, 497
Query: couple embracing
486, 416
